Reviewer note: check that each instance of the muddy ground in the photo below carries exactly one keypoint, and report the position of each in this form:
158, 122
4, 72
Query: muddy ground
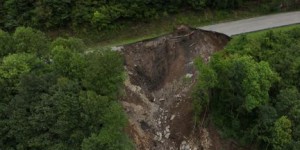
158, 100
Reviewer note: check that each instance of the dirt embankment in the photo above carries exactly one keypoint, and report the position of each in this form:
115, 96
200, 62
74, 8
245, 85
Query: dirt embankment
160, 78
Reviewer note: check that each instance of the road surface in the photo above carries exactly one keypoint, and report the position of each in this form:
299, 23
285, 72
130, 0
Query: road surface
255, 24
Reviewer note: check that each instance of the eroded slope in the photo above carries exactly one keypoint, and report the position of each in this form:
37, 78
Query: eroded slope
161, 75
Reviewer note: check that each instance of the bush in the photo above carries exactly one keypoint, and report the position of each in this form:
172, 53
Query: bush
74, 44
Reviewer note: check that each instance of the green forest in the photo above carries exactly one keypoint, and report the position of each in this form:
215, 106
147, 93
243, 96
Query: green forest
56, 93
98, 14
105, 14
54, 96
252, 90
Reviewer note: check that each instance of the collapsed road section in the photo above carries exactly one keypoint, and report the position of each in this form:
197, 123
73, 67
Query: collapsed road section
160, 77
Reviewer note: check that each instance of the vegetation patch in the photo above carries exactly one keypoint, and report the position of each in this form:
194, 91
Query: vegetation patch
252, 89
105, 23
53, 96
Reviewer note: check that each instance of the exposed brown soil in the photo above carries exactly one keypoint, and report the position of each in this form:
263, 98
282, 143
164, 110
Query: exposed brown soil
158, 99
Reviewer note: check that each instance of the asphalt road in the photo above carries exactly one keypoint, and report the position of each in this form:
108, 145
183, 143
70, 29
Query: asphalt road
255, 24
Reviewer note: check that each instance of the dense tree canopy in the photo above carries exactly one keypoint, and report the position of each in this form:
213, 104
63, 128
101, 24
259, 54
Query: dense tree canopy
54, 96
253, 89
101, 14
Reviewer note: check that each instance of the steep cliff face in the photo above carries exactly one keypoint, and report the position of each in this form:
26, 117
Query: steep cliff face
161, 75
158, 61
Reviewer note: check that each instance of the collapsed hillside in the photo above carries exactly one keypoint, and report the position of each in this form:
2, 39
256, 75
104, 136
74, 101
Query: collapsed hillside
157, 97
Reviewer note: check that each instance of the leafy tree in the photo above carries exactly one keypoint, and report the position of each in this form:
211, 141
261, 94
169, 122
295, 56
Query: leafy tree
104, 72
282, 133
247, 80
29, 40
26, 116
16, 64
17, 13
48, 99
279, 49
201, 94
100, 15
111, 120
238, 87
257, 81
68, 126
262, 130
105, 15
288, 102
51, 13
227, 4
67, 63
197, 4
74, 44
2, 14
6, 44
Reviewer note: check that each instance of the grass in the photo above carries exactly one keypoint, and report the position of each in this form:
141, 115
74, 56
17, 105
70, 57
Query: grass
133, 32
130, 32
